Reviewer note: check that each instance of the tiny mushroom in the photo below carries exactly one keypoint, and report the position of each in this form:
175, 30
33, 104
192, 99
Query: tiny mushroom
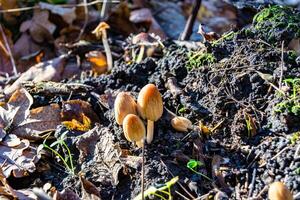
124, 105
134, 129
181, 124
150, 107
144, 40
100, 32
278, 191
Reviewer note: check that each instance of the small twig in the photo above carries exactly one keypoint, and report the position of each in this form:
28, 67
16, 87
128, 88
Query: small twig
280, 152
63, 6
86, 17
251, 186
297, 151
173, 87
103, 9
181, 195
108, 52
178, 181
3, 48
296, 195
261, 192
190, 22
9, 51
281, 66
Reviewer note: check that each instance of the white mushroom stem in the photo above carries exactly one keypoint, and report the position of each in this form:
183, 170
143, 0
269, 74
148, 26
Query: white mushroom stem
141, 54
140, 143
150, 130
107, 51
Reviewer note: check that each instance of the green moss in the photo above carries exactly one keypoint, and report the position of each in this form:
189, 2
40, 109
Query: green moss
277, 23
227, 36
182, 110
198, 59
291, 103
295, 137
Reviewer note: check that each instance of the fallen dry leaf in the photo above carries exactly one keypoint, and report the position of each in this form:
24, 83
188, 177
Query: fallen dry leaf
89, 190
15, 111
10, 17
216, 173
144, 16
119, 19
7, 192
86, 143
66, 194
105, 154
98, 61
17, 156
39, 120
5, 62
73, 109
46, 71
85, 125
295, 45
208, 36
68, 14
20, 100
25, 46
39, 27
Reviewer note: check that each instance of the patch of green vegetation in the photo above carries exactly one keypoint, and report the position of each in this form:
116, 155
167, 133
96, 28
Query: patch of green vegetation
66, 157
182, 110
227, 36
291, 103
297, 171
277, 22
295, 137
193, 164
198, 59
160, 190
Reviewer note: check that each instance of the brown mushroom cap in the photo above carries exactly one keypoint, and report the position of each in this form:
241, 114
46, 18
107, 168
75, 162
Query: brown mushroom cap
278, 191
149, 103
181, 124
101, 27
134, 128
124, 105
144, 39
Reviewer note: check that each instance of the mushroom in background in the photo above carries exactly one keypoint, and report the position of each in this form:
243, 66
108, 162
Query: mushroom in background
181, 124
145, 40
150, 107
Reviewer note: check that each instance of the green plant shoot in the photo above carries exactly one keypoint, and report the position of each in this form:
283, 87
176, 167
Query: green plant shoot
193, 164
164, 189
67, 159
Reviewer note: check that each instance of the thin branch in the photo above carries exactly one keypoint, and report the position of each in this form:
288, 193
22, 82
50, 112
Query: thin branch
281, 66
12, 60
103, 9
86, 17
188, 29
63, 6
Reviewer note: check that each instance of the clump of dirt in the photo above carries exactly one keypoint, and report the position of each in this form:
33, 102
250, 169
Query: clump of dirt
238, 90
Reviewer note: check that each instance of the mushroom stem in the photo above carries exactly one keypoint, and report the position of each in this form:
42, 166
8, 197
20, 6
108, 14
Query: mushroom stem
141, 54
143, 168
150, 129
139, 143
107, 50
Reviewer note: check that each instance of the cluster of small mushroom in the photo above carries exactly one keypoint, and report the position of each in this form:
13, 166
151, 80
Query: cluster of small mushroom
149, 106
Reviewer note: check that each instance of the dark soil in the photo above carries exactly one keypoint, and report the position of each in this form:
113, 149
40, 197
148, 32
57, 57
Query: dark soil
229, 90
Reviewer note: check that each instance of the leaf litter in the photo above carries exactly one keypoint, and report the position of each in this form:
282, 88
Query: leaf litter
63, 99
